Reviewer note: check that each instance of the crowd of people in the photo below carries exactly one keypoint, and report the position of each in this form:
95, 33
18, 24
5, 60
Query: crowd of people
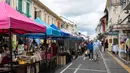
94, 47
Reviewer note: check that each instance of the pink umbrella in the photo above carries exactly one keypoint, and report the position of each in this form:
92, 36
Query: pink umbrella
18, 23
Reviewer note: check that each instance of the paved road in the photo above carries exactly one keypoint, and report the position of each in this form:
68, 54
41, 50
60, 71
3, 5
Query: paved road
106, 64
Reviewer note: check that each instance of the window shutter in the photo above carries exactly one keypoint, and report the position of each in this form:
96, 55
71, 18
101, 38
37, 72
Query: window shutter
29, 0
20, 5
28, 9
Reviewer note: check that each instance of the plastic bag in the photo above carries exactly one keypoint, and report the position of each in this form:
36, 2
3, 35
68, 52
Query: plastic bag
87, 52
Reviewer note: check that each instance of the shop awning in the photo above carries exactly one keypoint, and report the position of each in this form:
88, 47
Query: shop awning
49, 30
68, 33
18, 23
63, 34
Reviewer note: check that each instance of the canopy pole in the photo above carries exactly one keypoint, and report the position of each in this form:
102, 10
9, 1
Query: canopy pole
10, 47
45, 43
69, 43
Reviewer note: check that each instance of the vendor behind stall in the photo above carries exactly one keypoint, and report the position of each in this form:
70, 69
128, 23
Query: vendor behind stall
54, 46
5, 57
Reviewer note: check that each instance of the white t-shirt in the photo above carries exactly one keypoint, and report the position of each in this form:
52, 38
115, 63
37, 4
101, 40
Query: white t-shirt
95, 45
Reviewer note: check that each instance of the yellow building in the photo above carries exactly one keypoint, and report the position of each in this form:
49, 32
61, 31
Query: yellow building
68, 25
43, 12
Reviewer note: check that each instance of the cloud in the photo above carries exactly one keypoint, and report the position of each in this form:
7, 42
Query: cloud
85, 13
84, 33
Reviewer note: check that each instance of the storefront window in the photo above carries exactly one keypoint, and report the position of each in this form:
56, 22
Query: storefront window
110, 40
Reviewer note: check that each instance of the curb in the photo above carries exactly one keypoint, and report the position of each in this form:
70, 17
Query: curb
127, 68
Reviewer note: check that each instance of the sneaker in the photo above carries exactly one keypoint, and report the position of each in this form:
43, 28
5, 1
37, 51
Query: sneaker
89, 59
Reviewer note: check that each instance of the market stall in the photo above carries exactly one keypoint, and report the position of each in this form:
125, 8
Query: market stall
63, 51
12, 22
50, 55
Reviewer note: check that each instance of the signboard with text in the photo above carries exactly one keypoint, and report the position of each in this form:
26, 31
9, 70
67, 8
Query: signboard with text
114, 33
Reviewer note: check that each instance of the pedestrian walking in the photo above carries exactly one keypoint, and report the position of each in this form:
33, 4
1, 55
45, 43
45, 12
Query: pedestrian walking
96, 45
99, 44
90, 47
106, 46
102, 48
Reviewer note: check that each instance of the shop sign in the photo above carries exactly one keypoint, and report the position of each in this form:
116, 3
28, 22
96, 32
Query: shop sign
121, 27
113, 33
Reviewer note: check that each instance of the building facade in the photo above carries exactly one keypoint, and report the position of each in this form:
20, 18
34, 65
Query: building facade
69, 25
117, 21
45, 14
33, 9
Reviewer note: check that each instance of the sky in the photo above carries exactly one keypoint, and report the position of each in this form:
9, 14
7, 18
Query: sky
85, 13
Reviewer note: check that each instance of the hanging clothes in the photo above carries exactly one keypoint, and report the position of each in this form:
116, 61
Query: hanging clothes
128, 42
128, 46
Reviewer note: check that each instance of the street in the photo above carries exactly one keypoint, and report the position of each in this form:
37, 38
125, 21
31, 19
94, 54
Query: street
106, 64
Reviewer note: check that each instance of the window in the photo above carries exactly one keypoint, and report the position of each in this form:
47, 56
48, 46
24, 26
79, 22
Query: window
55, 22
52, 20
39, 13
123, 3
35, 13
45, 17
8, 2
58, 24
62, 25
67, 26
20, 5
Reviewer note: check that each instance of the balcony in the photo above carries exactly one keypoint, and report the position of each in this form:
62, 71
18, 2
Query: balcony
127, 7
